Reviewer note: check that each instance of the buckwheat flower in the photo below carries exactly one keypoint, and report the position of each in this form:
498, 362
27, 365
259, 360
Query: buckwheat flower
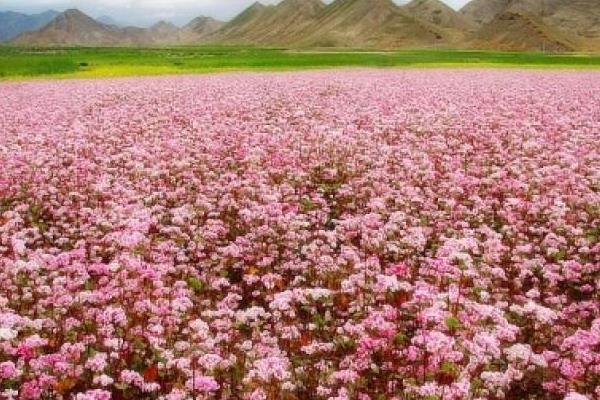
210, 361
401, 270
342, 394
576, 396
542, 314
317, 294
10, 394
270, 368
18, 246
290, 332
258, 394
8, 370
494, 380
317, 348
251, 315
175, 394
182, 346
203, 384
323, 391
130, 240
519, 353
8, 334
103, 380
386, 283
181, 304
246, 345
98, 362
200, 328
114, 343
132, 378
95, 394
345, 376
149, 387
282, 301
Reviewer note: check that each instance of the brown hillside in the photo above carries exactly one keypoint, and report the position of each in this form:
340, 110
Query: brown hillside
519, 32
73, 27
241, 26
552, 25
438, 13
163, 33
370, 23
484, 11
198, 29
280, 24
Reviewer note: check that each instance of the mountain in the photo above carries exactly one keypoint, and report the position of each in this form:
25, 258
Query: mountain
198, 29
576, 17
484, 11
105, 19
12, 23
279, 24
574, 23
439, 14
163, 32
521, 32
551, 25
73, 27
241, 27
369, 23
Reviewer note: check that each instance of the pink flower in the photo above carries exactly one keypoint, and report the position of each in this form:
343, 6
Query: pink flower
204, 384
94, 395
8, 370
401, 269
576, 396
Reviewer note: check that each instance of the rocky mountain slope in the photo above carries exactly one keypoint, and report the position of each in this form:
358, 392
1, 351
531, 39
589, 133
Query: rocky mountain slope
544, 25
370, 23
12, 23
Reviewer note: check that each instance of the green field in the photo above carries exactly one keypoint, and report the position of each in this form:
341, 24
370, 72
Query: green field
17, 63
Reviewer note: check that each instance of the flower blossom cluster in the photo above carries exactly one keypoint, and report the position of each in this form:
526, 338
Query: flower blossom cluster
405, 235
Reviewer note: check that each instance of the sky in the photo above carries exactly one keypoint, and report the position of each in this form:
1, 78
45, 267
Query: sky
146, 12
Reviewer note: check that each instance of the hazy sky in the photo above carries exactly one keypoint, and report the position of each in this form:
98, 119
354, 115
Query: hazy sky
145, 12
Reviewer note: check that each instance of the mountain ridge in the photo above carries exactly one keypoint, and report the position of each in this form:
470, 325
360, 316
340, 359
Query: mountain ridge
547, 25
14, 23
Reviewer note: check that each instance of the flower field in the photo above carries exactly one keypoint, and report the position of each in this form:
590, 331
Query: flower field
369, 235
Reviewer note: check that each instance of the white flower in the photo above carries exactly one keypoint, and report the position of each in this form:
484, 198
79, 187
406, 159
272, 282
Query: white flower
9, 394
7, 334
103, 380
576, 396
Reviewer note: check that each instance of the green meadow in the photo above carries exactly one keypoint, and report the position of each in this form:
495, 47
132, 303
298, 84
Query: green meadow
20, 62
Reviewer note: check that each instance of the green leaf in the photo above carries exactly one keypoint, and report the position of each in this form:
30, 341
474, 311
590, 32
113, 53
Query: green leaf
400, 339
196, 285
560, 256
307, 205
89, 285
449, 368
121, 386
319, 321
453, 323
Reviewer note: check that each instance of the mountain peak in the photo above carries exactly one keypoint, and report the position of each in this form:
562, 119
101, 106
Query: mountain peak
516, 31
13, 23
74, 16
198, 29
427, 3
302, 3
310, 7
555, 24
74, 12
437, 13
257, 5
163, 25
